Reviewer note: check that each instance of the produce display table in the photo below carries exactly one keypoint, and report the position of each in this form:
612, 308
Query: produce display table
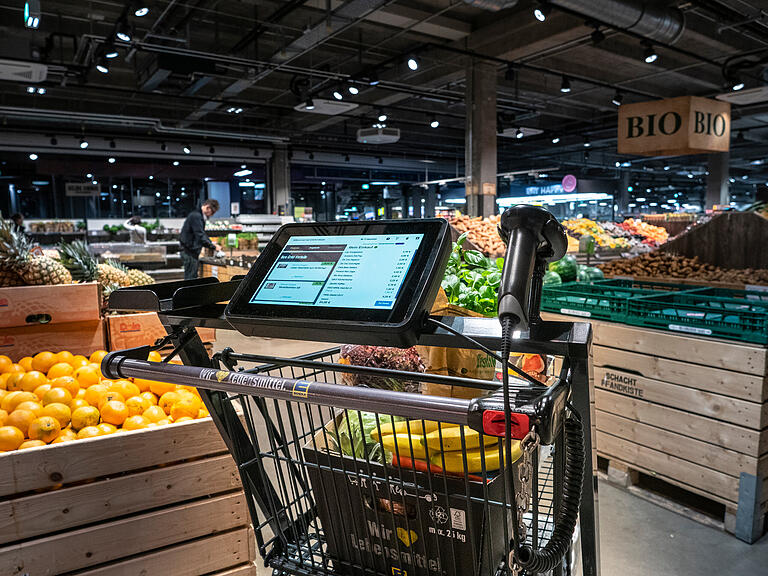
690, 410
164, 500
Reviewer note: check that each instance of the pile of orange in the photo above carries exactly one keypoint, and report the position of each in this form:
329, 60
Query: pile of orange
51, 398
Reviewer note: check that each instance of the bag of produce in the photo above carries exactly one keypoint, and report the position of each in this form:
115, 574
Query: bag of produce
354, 434
406, 359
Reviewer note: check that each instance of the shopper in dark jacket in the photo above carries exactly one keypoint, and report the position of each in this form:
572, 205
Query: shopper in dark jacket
193, 237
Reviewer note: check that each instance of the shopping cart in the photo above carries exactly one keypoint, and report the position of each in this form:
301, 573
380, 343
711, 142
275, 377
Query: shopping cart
318, 508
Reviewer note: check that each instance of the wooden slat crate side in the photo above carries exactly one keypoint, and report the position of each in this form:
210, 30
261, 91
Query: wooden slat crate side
26, 470
745, 358
690, 449
216, 554
27, 305
111, 541
58, 510
733, 410
734, 384
714, 484
730, 436
246, 570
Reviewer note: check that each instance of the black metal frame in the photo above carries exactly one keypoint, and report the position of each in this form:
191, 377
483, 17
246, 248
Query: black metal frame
183, 306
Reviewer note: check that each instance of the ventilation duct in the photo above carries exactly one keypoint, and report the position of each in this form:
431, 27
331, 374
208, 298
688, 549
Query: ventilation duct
647, 19
492, 5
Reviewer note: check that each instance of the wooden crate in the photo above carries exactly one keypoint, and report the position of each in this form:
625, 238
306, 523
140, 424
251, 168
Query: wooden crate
151, 502
691, 411
77, 337
141, 329
224, 273
35, 305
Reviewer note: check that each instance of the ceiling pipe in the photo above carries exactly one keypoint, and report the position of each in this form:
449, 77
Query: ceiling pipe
492, 5
642, 17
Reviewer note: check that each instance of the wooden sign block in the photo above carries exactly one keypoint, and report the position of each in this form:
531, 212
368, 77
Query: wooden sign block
675, 127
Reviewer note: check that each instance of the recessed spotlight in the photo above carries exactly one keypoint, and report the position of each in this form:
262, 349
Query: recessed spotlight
175, 162
187, 149
94, 182
151, 177
31, 90
33, 156
111, 160
617, 164
140, 12
556, 140
413, 63
114, 186
89, 175
41, 91
83, 143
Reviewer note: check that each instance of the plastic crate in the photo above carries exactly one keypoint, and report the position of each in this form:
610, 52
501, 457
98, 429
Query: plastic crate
697, 312
646, 285
753, 296
590, 300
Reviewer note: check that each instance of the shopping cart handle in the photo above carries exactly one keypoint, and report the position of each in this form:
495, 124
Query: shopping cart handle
529, 409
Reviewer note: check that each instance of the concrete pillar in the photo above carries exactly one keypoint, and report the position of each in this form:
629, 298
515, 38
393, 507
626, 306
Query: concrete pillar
280, 182
430, 195
717, 181
480, 143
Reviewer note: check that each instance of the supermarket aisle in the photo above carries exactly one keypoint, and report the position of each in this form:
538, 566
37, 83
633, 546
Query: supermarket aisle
638, 538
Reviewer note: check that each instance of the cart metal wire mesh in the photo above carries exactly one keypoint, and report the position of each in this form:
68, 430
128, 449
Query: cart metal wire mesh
318, 511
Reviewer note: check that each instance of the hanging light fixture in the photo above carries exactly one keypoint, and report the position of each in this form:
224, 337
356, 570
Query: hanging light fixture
83, 143
618, 98
565, 85
309, 104
650, 55
541, 12
123, 31
434, 123
413, 62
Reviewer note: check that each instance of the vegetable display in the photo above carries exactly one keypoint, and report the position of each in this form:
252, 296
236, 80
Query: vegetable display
552, 278
407, 360
471, 280
567, 268
653, 235
482, 232
673, 266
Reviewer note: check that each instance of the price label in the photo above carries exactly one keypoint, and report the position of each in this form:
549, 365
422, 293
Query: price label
755, 288
582, 313
690, 329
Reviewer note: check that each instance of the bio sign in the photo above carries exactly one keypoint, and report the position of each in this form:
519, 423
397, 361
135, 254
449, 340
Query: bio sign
675, 127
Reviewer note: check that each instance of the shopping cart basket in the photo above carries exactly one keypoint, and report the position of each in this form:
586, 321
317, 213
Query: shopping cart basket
320, 509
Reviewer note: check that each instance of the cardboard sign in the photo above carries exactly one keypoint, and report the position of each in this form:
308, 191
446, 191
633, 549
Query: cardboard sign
675, 127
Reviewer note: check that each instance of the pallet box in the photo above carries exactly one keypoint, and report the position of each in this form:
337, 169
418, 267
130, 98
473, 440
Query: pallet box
166, 500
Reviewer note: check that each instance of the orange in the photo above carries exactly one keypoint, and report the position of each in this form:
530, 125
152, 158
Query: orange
106, 428
32, 380
10, 438
142, 384
35, 407
5, 364
94, 394
78, 360
64, 356
13, 399
188, 407
154, 413
77, 403
87, 375
60, 369
203, 413
167, 400
125, 387
43, 361
176, 361
42, 389
88, 432
67, 382
110, 396
98, 369
31, 444
67, 435
135, 423
3, 393
182, 419
3, 417
160, 388
136, 405
154, 356
3, 377
97, 356
151, 398
85, 416
114, 412
26, 363
191, 389
45, 428
81, 394
13, 382
16, 368
21, 419
106, 381
163, 422
61, 412
60, 395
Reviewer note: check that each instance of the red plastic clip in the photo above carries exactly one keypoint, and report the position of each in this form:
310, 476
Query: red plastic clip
493, 424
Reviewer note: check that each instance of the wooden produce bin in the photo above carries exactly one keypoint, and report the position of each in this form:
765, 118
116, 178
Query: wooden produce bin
689, 410
77, 337
35, 305
224, 273
142, 329
159, 501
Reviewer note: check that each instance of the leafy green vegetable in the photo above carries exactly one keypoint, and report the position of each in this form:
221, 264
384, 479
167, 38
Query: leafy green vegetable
353, 434
471, 280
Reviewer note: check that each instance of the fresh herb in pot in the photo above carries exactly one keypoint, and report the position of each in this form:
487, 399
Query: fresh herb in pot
471, 280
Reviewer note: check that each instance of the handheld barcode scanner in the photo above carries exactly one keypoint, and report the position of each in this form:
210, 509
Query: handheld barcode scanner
534, 238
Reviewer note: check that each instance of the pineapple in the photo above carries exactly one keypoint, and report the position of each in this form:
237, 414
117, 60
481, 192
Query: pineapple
79, 261
139, 277
110, 272
32, 269
9, 278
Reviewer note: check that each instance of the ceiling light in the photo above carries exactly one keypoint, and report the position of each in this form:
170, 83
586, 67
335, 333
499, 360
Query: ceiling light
175, 162
102, 65
111, 160
83, 143
353, 90
110, 52
618, 98
650, 55
373, 79
33, 156
556, 139
89, 175
54, 141
519, 133
338, 95
413, 63
41, 91
587, 143
565, 85
745, 177
690, 174
142, 11
241, 173
382, 116
32, 14
187, 149
434, 123
31, 90
123, 31
640, 199
541, 13
309, 104
151, 177
597, 36
737, 85
617, 164
666, 168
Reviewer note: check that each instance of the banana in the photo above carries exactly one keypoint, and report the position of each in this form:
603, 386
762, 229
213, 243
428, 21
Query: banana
451, 439
415, 426
404, 444
454, 461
